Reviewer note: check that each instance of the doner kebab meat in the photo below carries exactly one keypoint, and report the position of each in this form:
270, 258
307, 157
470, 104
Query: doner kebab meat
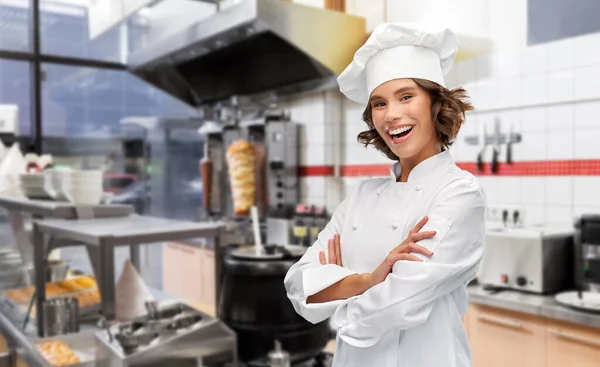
241, 164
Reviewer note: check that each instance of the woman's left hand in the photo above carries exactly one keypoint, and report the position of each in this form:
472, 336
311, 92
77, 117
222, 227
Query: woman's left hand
334, 251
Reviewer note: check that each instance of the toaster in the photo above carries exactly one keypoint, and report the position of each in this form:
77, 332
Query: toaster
536, 259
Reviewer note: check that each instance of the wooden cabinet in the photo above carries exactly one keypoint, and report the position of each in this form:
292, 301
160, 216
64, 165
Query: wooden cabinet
571, 345
3, 344
466, 320
501, 338
189, 272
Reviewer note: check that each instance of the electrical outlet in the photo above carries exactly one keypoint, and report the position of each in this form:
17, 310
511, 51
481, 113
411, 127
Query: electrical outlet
515, 215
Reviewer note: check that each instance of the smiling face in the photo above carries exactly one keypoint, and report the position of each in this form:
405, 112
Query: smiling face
401, 114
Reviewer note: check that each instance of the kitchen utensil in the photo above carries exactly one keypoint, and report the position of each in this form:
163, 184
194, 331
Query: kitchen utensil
496, 146
56, 270
256, 229
61, 316
509, 143
481, 143
279, 357
206, 173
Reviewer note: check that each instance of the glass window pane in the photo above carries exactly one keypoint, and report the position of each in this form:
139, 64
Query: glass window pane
15, 25
15, 95
81, 123
65, 31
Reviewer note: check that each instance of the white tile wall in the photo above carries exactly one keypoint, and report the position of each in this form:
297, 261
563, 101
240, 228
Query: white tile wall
559, 190
559, 214
561, 117
587, 144
510, 92
587, 82
533, 190
534, 89
534, 119
587, 114
534, 60
587, 50
534, 215
560, 86
509, 64
586, 191
534, 146
560, 55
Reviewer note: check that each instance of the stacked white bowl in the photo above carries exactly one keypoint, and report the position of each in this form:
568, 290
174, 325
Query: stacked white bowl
34, 185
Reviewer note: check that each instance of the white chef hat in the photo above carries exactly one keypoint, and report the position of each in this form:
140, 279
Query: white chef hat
398, 50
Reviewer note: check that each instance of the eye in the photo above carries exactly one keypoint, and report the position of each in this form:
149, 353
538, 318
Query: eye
406, 97
378, 104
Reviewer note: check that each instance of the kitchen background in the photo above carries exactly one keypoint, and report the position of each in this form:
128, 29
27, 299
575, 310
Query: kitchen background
549, 92
84, 81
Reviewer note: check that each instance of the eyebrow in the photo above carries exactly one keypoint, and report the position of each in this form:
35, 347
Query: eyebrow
398, 91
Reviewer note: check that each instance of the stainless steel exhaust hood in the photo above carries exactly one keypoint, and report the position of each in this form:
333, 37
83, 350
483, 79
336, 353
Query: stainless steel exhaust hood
249, 48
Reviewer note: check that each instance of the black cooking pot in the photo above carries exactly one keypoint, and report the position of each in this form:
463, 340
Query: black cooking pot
255, 305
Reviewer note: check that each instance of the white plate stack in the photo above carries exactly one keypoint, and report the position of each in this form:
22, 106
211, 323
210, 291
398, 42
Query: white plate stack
34, 185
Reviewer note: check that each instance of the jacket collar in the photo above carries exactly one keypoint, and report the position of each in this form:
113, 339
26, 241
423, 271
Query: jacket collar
424, 173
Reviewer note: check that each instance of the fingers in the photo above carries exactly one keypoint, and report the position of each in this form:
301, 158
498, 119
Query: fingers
404, 256
411, 257
322, 258
419, 225
338, 249
413, 247
414, 237
331, 248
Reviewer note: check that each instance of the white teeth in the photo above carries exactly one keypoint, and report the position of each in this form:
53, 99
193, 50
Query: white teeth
400, 130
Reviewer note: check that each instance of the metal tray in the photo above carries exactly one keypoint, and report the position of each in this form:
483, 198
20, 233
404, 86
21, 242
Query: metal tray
83, 345
83, 311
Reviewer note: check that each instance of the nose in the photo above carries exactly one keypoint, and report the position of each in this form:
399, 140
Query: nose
394, 112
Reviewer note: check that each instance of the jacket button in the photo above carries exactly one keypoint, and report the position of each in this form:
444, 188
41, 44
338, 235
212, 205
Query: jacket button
354, 226
418, 188
395, 225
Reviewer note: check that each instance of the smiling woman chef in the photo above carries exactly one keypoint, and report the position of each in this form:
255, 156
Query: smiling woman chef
392, 266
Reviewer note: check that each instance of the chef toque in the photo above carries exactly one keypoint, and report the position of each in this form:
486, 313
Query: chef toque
398, 50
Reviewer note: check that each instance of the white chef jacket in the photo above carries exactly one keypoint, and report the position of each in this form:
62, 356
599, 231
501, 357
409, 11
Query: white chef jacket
413, 318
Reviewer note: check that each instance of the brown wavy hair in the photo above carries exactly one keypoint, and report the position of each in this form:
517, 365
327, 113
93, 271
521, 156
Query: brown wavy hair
448, 108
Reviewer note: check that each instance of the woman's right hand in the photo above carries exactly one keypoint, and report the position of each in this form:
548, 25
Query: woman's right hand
403, 252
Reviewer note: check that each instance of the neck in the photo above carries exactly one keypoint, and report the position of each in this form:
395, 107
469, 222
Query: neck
407, 164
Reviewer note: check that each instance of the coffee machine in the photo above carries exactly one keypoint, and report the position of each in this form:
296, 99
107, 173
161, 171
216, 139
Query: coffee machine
587, 266
587, 253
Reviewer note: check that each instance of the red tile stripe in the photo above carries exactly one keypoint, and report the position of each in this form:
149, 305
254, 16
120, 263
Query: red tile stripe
582, 167
312, 171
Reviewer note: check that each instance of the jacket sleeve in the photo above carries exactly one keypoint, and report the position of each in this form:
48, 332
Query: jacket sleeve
308, 276
407, 296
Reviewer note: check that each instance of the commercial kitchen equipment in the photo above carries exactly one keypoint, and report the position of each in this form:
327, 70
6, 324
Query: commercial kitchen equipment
251, 47
533, 259
255, 305
101, 236
587, 253
171, 334
276, 142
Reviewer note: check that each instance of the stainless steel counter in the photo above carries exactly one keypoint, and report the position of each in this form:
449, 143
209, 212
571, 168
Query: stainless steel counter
101, 236
64, 210
538, 305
